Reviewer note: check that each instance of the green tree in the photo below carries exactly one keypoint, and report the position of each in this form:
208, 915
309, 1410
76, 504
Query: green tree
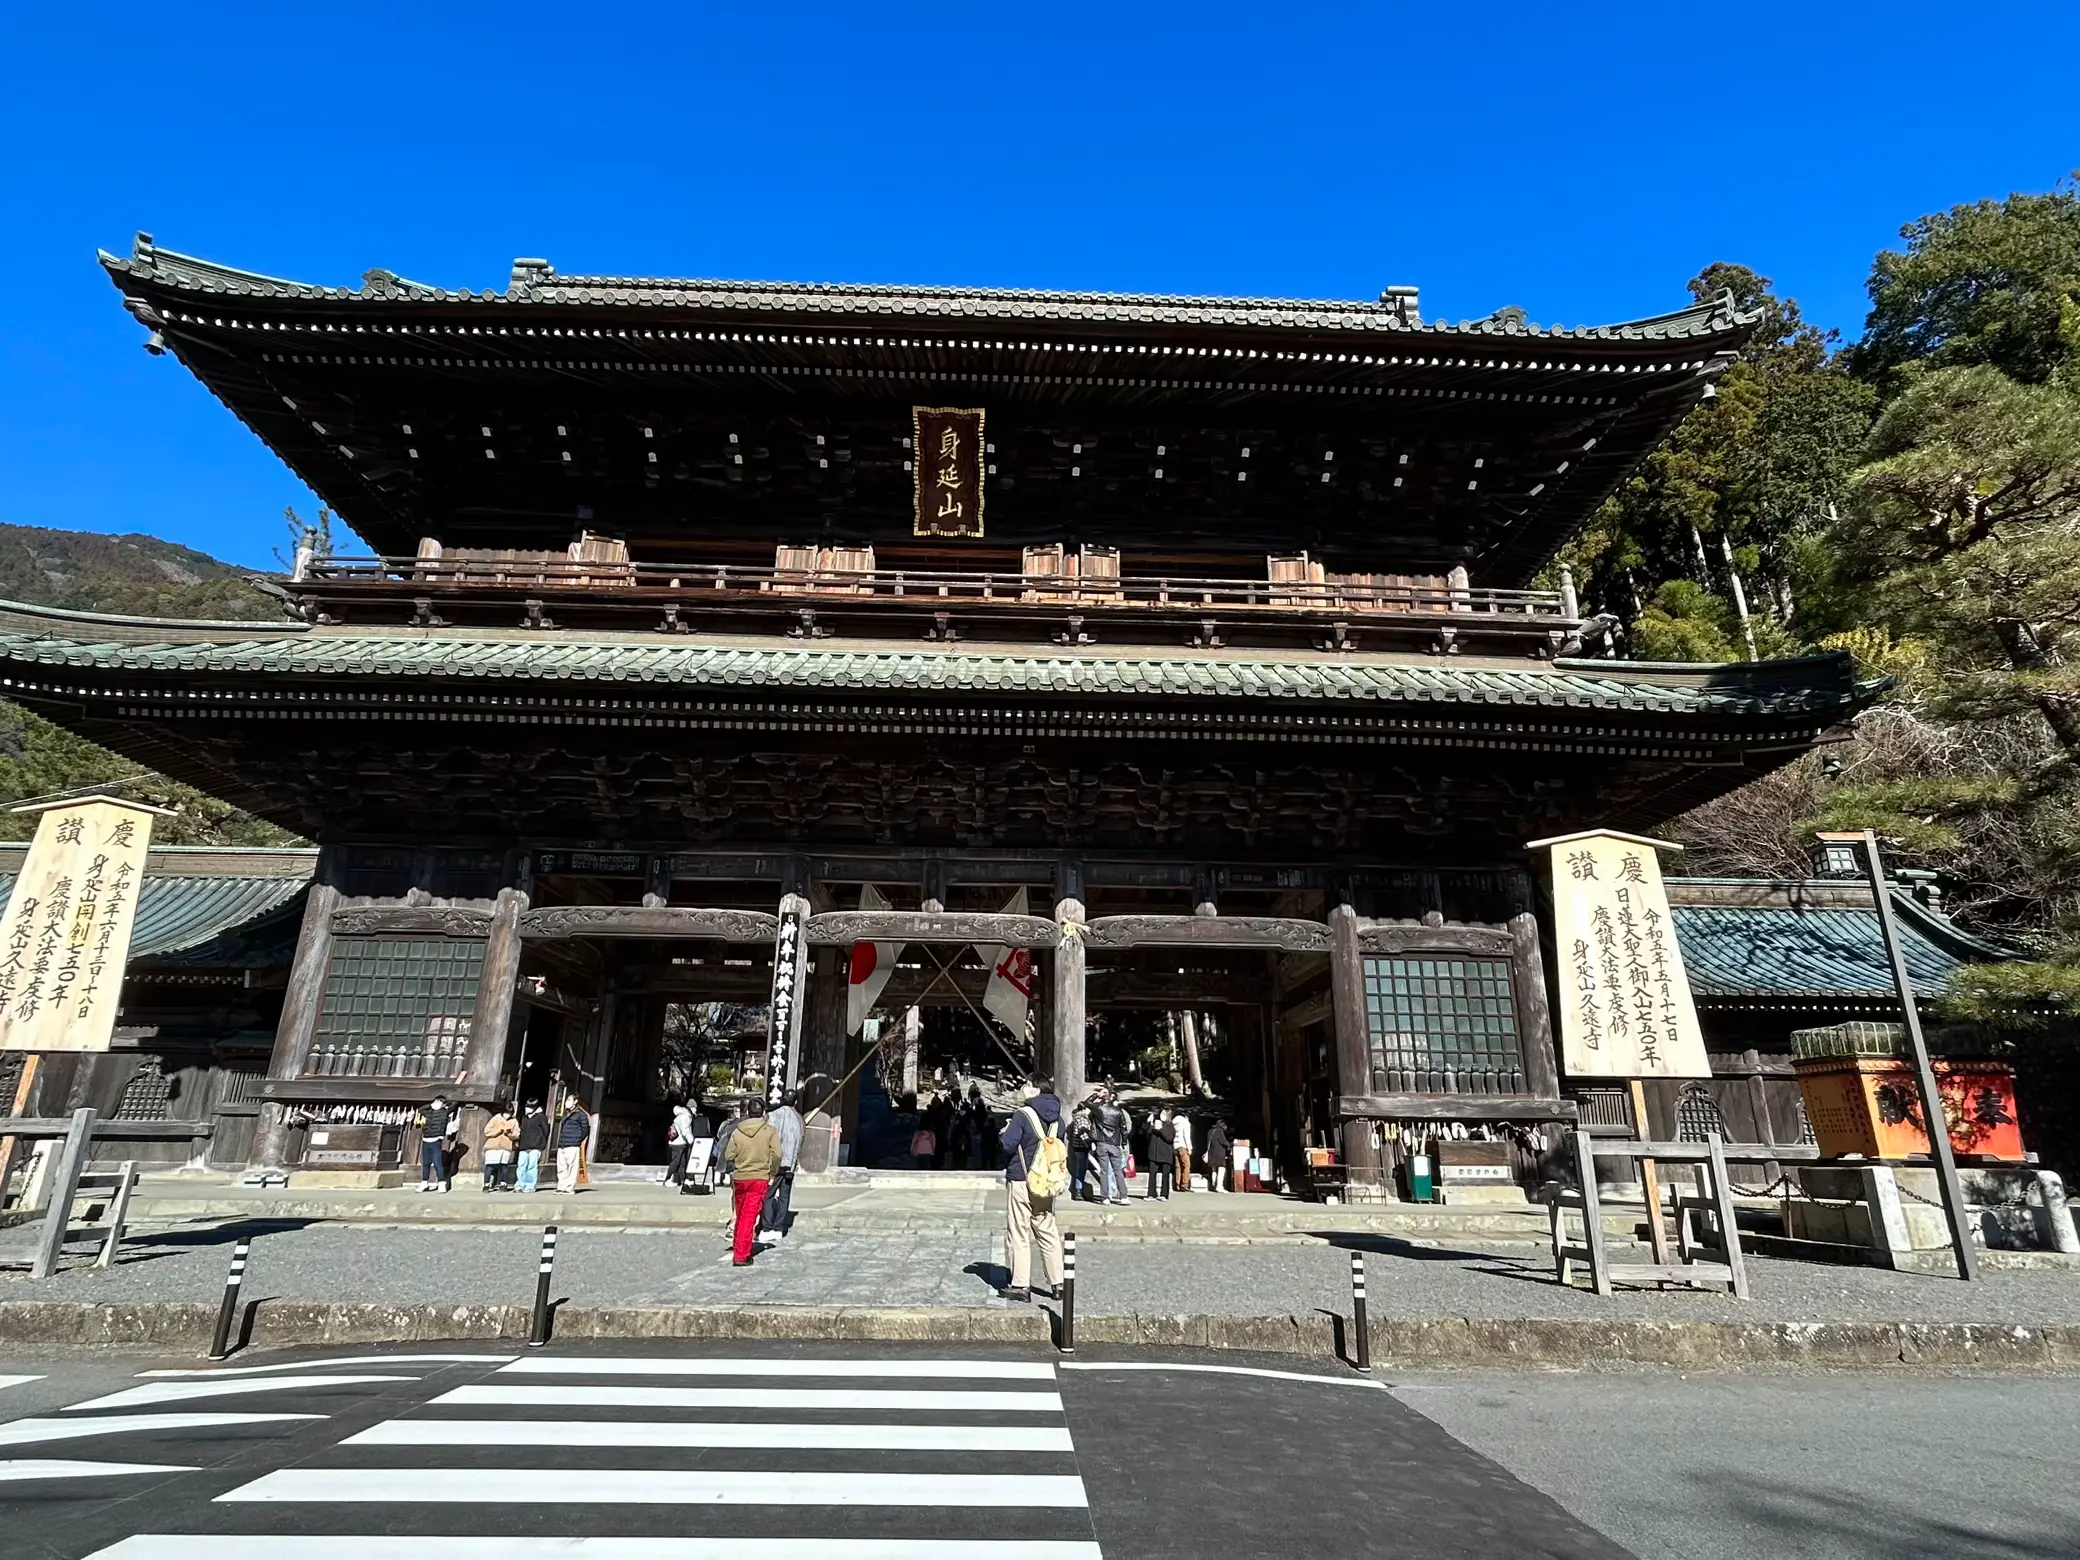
1992, 282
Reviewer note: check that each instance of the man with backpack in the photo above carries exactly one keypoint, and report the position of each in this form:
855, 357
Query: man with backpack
1036, 1172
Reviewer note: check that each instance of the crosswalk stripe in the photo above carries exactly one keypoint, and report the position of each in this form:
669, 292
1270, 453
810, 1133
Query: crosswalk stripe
752, 1397
363, 1359
185, 1391
412, 1546
674, 1434
27, 1432
22, 1469
919, 1370
16, 1381
567, 1487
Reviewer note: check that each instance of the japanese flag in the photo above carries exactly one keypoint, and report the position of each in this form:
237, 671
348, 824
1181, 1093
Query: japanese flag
872, 965
1010, 986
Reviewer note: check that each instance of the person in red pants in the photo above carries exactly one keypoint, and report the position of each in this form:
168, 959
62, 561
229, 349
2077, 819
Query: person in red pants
754, 1158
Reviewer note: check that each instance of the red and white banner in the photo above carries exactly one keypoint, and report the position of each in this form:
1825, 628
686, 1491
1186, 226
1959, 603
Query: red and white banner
872, 965
1010, 988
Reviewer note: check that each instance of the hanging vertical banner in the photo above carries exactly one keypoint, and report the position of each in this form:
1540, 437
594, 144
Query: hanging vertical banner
948, 466
1010, 988
1625, 1004
65, 936
784, 1013
873, 963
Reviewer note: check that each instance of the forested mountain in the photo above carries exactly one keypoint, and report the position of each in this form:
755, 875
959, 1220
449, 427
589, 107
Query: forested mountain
1914, 499
130, 574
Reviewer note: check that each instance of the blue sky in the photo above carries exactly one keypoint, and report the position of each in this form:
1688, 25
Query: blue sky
1582, 161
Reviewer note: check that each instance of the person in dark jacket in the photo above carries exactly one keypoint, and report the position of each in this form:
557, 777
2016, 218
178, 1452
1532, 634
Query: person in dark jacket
1109, 1128
572, 1134
1217, 1148
534, 1137
437, 1124
1162, 1155
1080, 1178
1028, 1218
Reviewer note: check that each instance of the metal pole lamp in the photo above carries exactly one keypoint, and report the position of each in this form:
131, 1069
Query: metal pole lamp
1924, 1070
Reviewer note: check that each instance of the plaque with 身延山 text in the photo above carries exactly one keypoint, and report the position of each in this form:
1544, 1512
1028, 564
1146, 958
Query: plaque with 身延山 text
65, 936
1625, 1004
948, 466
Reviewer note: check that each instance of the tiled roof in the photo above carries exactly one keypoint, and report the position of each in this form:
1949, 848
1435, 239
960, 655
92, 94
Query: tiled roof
1766, 952
178, 917
1819, 684
536, 283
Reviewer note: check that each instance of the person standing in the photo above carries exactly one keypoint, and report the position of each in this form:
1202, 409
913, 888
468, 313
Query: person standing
1109, 1128
678, 1143
1162, 1156
1181, 1125
1080, 1151
436, 1127
1029, 1215
786, 1121
501, 1141
533, 1138
976, 1128
572, 1133
1217, 1151
753, 1156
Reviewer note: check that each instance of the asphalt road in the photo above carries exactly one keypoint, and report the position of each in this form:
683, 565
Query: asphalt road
870, 1452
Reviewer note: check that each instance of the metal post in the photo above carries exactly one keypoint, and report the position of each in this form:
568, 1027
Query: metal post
538, 1334
1931, 1094
1068, 1294
220, 1348
1361, 1335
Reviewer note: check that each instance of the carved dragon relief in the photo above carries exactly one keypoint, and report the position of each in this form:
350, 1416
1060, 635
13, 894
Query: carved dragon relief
737, 926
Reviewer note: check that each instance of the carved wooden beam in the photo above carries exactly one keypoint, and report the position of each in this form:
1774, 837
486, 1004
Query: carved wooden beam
1201, 931
1478, 941
421, 920
1455, 1107
735, 926
843, 928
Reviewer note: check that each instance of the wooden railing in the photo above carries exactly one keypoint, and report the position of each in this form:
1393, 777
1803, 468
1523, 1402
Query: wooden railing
1376, 593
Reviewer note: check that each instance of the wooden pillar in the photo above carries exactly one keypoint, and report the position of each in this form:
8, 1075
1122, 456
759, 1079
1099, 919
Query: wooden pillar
299, 1022
822, 1051
1353, 1044
1527, 983
1067, 1003
913, 1039
493, 1014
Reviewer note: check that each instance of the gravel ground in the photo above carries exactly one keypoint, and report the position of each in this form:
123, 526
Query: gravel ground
959, 1264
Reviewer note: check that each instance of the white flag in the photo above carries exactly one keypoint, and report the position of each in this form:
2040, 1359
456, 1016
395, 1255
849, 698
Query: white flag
1010, 987
872, 965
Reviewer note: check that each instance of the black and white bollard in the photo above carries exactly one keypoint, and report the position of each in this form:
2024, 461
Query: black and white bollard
538, 1334
220, 1348
1361, 1335
1068, 1294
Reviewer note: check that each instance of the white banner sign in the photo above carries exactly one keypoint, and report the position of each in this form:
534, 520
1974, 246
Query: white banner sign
65, 937
1625, 1005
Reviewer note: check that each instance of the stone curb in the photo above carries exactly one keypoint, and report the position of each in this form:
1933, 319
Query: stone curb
1419, 1342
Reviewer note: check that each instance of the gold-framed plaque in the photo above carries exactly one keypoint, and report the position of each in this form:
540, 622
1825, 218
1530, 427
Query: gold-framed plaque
948, 447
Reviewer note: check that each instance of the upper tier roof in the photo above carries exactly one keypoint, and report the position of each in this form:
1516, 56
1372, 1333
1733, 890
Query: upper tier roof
708, 420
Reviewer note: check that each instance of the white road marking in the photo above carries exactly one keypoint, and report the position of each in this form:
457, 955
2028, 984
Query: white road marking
674, 1434
567, 1486
183, 1391
26, 1432
921, 1370
413, 1546
16, 1381
1229, 1370
25, 1468
751, 1397
360, 1359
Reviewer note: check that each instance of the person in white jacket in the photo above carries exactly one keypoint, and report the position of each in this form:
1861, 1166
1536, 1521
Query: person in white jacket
1181, 1126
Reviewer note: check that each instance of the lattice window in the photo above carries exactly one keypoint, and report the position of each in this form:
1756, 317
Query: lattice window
148, 1096
1442, 1026
1698, 1115
396, 1007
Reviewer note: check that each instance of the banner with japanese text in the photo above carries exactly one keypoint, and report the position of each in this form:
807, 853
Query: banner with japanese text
949, 470
1625, 1004
65, 936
